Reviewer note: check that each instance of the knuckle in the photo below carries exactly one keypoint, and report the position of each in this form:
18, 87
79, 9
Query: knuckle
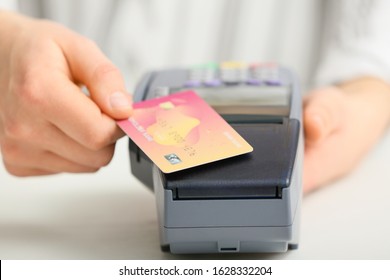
103, 70
28, 90
78, 169
104, 157
96, 139
11, 162
22, 172
92, 170
89, 43
10, 153
14, 129
13, 170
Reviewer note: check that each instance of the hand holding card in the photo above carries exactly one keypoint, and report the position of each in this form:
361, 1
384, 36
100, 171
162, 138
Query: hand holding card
180, 131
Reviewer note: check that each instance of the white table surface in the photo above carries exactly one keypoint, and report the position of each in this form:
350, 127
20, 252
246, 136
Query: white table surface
110, 215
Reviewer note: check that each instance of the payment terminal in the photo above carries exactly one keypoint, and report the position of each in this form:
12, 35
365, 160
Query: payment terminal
248, 203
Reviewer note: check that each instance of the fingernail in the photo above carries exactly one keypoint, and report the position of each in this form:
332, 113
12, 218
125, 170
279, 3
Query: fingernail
119, 100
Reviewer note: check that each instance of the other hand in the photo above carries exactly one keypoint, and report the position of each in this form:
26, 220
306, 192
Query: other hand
342, 124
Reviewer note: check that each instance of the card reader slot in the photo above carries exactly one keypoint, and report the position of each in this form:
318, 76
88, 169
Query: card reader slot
141, 165
261, 110
254, 119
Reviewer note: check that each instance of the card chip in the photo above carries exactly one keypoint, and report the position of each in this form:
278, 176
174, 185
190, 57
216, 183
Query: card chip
173, 159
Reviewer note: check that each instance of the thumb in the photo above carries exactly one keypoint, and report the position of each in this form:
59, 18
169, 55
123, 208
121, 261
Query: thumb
89, 66
323, 113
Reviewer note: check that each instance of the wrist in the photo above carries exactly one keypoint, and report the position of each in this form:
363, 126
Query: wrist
12, 26
370, 98
370, 94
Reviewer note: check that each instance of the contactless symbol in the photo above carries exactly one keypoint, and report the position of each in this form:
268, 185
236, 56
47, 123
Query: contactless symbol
173, 159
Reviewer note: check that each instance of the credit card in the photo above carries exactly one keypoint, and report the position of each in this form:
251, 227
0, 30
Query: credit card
180, 131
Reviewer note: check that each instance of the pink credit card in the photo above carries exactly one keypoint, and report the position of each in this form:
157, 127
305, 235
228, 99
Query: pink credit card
180, 131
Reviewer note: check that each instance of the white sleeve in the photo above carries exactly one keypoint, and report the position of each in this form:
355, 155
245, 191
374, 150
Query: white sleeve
356, 41
9, 5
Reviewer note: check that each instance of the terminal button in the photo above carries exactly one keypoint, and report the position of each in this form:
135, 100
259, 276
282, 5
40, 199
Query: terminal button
233, 72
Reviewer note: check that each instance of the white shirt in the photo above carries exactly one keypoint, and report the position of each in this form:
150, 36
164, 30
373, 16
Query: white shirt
323, 41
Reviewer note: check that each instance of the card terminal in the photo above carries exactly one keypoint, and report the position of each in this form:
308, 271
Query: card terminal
249, 203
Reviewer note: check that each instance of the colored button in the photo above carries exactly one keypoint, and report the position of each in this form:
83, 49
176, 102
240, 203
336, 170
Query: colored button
212, 83
230, 76
273, 82
232, 65
192, 83
253, 82
211, 65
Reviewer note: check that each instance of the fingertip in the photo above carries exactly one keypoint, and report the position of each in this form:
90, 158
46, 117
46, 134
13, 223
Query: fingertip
120, 105
323, 113
315, 127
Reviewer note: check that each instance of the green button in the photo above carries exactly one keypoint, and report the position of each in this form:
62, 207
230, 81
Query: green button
209, 65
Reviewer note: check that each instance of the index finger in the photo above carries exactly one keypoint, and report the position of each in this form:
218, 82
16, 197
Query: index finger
74, 113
